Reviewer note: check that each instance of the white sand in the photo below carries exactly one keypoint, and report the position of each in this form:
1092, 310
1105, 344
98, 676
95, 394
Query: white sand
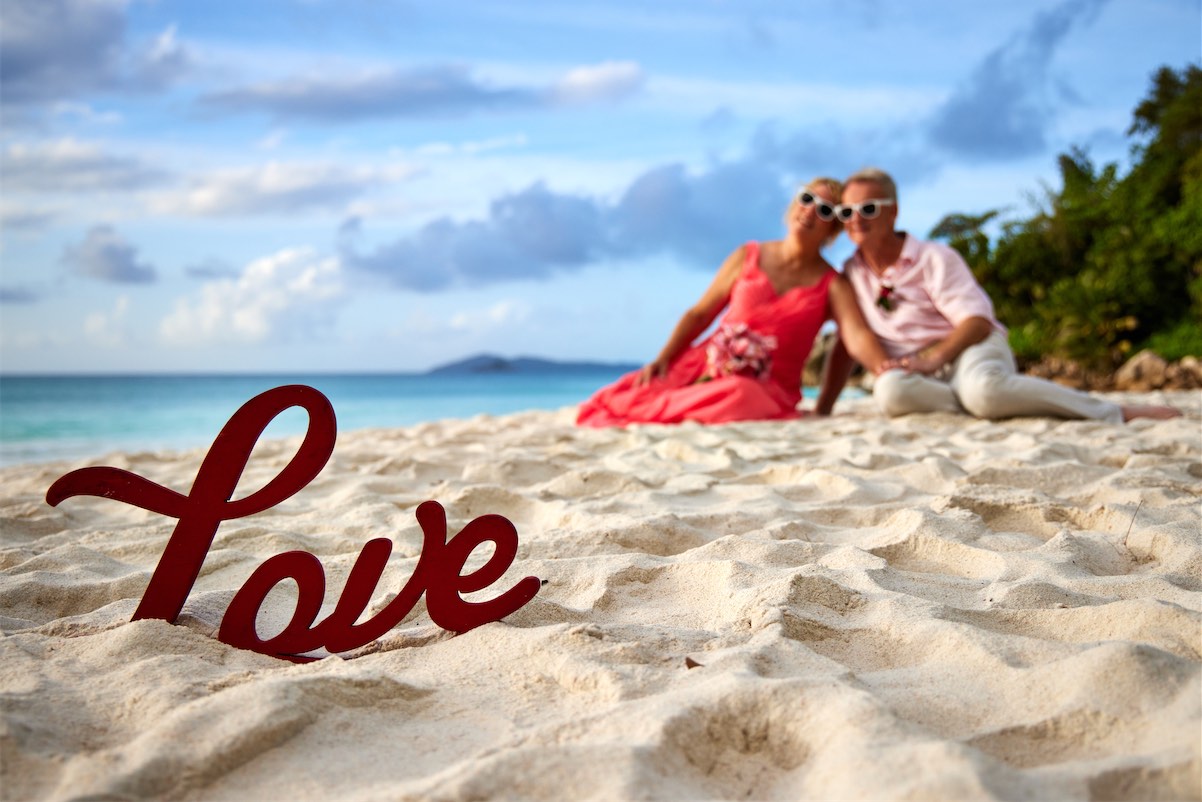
848, 608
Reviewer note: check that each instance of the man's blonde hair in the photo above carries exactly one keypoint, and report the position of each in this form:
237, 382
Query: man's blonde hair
876, 176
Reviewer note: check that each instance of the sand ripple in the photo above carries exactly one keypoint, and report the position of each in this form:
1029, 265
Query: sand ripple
842, 608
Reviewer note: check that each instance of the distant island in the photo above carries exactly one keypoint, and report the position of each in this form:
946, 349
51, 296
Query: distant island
491, 363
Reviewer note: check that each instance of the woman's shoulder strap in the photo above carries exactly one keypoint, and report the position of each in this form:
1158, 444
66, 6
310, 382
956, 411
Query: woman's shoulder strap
752, 250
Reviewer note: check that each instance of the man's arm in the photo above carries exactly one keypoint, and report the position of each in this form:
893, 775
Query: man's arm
967, 333
958, 296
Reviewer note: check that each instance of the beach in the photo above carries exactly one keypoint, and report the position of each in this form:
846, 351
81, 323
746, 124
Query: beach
845, 608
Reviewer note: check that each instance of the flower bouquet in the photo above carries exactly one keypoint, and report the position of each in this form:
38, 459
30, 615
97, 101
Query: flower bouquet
737, 350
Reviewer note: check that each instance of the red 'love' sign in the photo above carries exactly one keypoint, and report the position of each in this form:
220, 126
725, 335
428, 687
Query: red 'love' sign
438, 572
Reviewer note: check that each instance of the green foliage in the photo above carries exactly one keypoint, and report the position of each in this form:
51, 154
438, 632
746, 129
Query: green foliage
965, 232
1184, 339
1108, 264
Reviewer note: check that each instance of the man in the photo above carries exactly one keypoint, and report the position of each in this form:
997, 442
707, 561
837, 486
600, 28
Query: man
947, 352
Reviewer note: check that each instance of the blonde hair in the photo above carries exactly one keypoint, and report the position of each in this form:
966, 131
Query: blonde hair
836, 189
876, 176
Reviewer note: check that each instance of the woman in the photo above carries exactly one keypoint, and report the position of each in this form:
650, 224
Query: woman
780, 293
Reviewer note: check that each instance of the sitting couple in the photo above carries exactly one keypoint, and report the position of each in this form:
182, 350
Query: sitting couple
909, 311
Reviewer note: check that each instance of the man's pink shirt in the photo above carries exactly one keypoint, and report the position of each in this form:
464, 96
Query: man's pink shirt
933, 291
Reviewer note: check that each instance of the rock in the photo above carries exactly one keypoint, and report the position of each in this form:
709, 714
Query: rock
811, 376
1067, 372
1143, 372
1185, 374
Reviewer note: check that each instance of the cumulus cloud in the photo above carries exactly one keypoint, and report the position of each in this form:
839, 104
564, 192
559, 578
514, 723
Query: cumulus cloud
699, 215
694, 215
56, 49
105, 255
68, 165
1008, 103
290, 295
278, 188
526, 235
435, 91
534, 233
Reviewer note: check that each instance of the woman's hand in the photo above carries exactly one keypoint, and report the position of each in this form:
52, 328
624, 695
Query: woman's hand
652, 371
696, 319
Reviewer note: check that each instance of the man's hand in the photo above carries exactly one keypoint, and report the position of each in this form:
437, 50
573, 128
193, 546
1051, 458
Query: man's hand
932, 357
921, 362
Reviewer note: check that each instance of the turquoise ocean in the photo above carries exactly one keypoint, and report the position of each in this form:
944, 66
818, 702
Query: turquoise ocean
84, 417
47, 418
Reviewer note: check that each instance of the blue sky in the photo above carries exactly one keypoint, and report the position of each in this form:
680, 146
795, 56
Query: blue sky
367, 185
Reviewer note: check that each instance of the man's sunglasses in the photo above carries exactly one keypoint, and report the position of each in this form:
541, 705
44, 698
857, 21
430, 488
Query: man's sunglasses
825, 210
867, 210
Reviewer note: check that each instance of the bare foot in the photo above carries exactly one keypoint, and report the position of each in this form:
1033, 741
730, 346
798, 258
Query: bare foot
1149, 411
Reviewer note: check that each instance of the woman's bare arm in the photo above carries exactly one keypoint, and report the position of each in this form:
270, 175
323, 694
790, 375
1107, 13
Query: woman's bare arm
698, 317
835, 372
860, 341
856, 343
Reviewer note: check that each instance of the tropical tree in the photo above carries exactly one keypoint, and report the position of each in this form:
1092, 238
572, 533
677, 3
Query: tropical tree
1107, 264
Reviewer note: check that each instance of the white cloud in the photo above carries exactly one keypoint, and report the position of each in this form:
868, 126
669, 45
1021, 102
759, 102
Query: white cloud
374, 93
341, 94
608, 81
279, 188
68, 165
289, 295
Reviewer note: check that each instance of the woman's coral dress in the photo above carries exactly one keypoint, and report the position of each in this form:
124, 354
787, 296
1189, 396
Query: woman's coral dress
764, 391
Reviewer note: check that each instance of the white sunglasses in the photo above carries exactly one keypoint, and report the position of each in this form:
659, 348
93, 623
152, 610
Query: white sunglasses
867, 209
824, 210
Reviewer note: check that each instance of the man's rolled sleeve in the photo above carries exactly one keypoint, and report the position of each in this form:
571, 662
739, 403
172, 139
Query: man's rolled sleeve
954, 290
